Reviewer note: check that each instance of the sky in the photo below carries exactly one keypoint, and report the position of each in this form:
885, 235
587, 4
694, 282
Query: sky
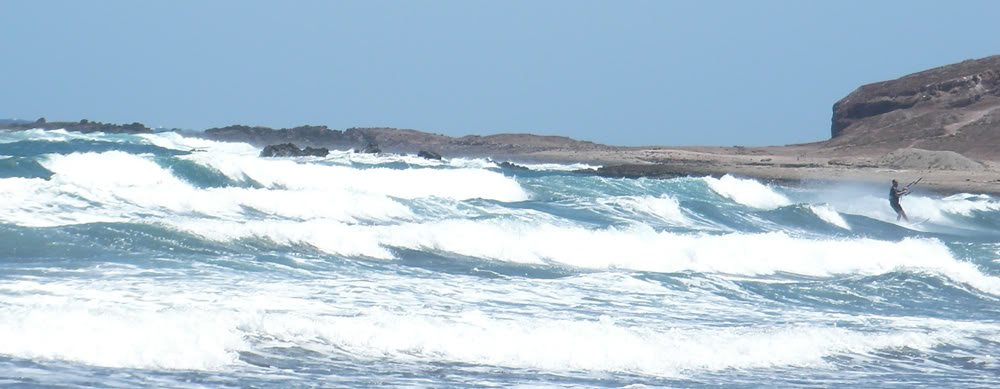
752, 73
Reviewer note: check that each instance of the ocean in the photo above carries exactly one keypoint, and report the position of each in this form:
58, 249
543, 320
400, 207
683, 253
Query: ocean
133, 261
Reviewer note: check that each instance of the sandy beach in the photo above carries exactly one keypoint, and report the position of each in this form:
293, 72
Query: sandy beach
787, 163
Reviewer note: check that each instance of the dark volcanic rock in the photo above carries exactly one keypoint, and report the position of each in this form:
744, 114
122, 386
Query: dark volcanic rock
429, 155
291, 150
305, 135
954, 107
371, 148
316, 151
511, 166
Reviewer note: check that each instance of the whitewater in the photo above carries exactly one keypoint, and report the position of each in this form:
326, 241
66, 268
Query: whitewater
163, 260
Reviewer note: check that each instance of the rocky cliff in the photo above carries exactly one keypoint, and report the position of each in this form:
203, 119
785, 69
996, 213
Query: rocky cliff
954, 107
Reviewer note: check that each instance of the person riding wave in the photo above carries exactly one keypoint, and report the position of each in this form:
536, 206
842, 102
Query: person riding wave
894, 194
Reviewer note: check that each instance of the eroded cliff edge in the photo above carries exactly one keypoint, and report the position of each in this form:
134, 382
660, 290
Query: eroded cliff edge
954, 107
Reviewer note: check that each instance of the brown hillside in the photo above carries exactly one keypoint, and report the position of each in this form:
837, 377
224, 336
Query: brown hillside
954, 108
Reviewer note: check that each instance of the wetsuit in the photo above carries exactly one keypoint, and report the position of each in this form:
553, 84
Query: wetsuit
894, 196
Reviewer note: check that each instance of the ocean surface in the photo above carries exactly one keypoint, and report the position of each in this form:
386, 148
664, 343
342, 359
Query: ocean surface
133, 261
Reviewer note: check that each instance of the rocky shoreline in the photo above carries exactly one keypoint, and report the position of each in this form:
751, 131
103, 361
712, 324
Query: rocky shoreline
942, 124
950, 173
796, 167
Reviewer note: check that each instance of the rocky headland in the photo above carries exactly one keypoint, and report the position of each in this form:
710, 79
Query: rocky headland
942, 124
954, 108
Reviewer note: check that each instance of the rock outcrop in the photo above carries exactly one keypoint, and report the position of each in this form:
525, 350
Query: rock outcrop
291, 150
429, 155
371, 148
512, 166
394, 140
954, 107
303, 135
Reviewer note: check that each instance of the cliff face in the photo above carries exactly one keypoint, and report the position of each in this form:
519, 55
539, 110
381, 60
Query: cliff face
954, 107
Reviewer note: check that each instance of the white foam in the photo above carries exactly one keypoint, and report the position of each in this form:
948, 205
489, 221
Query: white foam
83, 191
347, 157
965, 204
918, 206
202, 321
59, 135
642, 248
330, 237
204, 324
472, 163
175, 141
343, 206
747, 192
590, 345
120, 337
559, 167
34, 203
829, 215
460, 184
637, 247
82, 185
109, 169
664, 208
120, 320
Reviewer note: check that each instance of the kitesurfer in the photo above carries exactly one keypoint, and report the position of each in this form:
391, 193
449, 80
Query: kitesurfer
894, 194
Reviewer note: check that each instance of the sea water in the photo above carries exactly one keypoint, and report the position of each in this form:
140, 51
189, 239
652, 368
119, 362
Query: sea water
133, 261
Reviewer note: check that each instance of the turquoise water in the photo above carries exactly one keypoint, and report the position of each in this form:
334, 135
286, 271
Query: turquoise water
128, 260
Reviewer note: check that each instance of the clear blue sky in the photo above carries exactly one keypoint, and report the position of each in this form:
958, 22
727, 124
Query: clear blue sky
615, 72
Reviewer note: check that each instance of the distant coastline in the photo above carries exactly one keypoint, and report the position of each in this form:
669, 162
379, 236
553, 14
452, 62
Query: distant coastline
942, 124
84, 125
945, 171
